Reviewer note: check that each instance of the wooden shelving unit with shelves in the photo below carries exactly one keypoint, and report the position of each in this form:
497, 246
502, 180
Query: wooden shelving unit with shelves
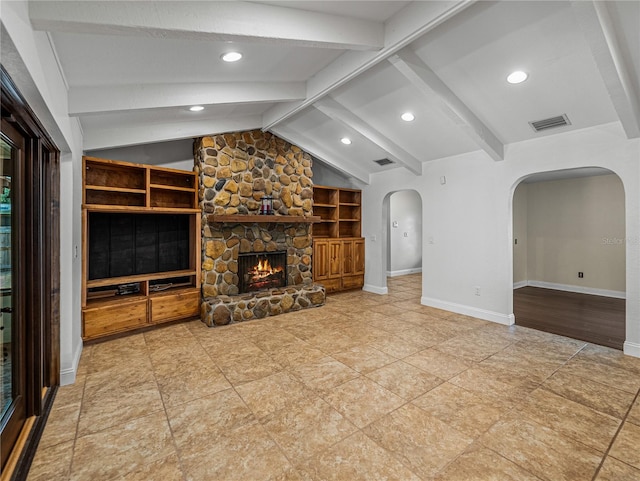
338, 248
156, 211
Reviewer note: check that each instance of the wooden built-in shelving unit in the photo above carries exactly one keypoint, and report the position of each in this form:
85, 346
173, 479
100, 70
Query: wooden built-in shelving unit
338, 248
128, 192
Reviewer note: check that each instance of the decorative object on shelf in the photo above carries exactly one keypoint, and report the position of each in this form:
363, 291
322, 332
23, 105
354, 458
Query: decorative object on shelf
131, 288
266, 207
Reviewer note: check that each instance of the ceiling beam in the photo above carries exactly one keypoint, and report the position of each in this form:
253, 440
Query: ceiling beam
404, 27
92, 100
126, 135
338, 112
600, 33
221, 21
322, 153
437, 92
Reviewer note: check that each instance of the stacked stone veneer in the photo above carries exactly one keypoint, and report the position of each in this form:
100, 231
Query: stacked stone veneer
236, 170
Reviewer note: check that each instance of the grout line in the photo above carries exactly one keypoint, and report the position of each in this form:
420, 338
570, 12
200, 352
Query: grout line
615, 436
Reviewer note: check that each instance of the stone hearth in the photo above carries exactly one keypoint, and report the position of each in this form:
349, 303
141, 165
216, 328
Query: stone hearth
236, 170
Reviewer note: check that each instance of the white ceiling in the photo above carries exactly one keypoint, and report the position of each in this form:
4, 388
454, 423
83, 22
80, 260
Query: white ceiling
316, 71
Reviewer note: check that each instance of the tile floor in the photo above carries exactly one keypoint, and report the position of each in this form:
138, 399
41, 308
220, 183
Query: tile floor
367, 387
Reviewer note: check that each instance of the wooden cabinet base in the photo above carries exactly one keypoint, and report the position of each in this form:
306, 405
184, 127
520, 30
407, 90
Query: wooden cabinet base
110, 317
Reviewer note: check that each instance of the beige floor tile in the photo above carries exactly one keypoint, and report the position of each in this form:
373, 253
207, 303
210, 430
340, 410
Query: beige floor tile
126, 376
306, 428
438, 363
102, 409
332, 341
614, 470
194, 383
626, 447
362, 401
324, 374
165, 469
634, 414
396, 346
474, 346
418, 440
405, 380
424, 336
541, 451
196, 423
524, 361
295, 353
71, 393
610, 357
121, 449
240, 370
274, 340
471, 413
569, 418
356, 458
52, 463
503, 386
61, 425
612, 376
247, 453
592, 394
364, 358
482, 464
274, 392
470, 321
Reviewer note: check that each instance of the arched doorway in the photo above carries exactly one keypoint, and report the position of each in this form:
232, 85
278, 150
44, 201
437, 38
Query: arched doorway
569, 254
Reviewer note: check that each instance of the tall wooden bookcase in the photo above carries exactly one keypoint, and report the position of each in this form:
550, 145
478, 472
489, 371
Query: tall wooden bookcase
151, 203
338, 248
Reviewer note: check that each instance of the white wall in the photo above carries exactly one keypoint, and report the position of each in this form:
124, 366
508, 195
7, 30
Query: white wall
405, 233
576, 225
176, 154
30, 61
467, 222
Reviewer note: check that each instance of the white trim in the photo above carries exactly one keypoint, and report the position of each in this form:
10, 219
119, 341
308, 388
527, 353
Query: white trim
404, 272
579, 289
492, 316
375, 289
519, 284
631, 349
68, 376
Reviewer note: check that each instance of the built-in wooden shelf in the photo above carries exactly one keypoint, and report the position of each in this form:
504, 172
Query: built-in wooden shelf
264, 219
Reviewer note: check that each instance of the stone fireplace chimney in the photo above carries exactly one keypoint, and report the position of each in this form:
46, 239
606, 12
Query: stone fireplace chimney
236, 170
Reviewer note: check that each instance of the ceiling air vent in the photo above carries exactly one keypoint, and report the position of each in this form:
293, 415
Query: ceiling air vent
550, 123
384, 161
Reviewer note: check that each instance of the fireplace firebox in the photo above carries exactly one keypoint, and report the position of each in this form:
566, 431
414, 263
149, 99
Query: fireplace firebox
263, 270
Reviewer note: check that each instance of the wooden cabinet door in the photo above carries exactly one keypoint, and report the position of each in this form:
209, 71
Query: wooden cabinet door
347, 257
358, 256
321, 259
335, 258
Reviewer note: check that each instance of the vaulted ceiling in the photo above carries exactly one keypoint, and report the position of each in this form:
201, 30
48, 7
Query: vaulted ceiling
314, 72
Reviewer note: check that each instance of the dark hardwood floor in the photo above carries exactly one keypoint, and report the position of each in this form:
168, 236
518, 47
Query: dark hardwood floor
596, 319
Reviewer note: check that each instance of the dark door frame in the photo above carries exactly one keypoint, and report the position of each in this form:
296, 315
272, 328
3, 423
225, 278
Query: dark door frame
41, 222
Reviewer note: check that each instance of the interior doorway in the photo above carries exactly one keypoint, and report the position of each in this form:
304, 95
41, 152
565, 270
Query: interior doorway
404, 233
569, 262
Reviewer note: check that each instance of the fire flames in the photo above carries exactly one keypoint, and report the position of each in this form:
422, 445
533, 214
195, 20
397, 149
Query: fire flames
263, 269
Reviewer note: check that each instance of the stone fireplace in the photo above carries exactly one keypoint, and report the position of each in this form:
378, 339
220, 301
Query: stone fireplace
236, 170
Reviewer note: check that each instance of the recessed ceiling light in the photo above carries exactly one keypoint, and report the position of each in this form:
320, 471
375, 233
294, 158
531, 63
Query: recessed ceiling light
407, 117
517, 77
196, 108
231, 56
345, 140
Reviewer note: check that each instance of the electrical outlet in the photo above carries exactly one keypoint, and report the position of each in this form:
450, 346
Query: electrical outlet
580, 275
406, 234
477, 290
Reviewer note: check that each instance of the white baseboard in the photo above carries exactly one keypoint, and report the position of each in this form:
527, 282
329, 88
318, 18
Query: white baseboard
492, 316
631, 349
519, 284
68, 376
579, 289
404, 272
375, 289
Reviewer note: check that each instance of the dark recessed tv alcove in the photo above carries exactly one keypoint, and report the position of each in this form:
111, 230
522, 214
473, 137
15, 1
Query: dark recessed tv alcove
131, 244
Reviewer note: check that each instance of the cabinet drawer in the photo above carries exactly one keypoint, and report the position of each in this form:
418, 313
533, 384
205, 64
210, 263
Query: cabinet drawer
175, 306
351, 282
108, 319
